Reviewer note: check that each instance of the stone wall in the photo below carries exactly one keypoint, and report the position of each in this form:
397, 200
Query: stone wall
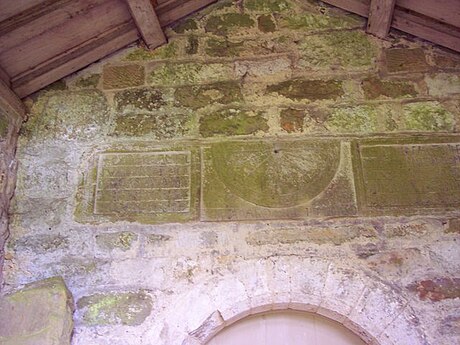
10, 124
271, 155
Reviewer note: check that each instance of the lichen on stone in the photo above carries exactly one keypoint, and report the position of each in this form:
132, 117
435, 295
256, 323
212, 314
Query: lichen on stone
313, 90
223, 24
357, 119
167, 51
120, 240
190, 73
90, 81
427, 116
267, 5
187, 25
344, 49
139, 99
116, 308
317, 22
196, 97
232, 122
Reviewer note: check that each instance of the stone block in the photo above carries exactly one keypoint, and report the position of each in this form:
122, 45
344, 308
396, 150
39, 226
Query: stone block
292, 120
69, 115
123, 76
196, 97
405, 60
426, 117
139, 100
4, 125
230, 122
376, 88
443, 85
38, 314
398, 177
187, 73
115, 308
337, 50
269, 180
228, 22
311, 90
166, 124
154, 186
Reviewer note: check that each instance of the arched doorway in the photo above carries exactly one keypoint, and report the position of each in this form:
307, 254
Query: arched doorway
286, 328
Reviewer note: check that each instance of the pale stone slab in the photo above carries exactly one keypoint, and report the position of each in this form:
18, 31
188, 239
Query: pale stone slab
398, 178
147, 187
39, 314
276, 180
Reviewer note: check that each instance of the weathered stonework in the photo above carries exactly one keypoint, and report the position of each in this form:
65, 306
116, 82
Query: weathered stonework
271, 155
40, 313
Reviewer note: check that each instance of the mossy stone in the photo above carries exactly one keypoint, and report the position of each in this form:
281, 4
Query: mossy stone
374, 88
344, 49
267, 5
167, 51
316, 22
299, 89
191, 48
232, 122
118, 240
41, 244
196, 97
187, 25
90, 81
139, 99
157, 125
115, 308
427, 116
223, 47
190, 73
221, 25
265, 23
360, 119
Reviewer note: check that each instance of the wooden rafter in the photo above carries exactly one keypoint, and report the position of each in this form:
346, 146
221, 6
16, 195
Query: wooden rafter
380, 17
438, 28
147, 22
10, 102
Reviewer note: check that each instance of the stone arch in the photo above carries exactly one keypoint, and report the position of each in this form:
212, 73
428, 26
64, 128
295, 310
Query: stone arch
369, 308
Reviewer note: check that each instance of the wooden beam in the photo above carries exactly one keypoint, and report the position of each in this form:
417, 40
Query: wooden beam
147, 22
444, 35
446, 11
5, 77
380, 17
75, 59
10, 102
172, 10
408, 21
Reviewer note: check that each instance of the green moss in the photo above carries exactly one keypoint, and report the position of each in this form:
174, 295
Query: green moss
121, 240
267, 5
191, 48
221, 25
361, 119
346, 49
196, 97
167, 51
223, 47
159, 126
129, 308
88, 82
298, 89
265, 23
187, 25
190, 73
232, 122
427, 116
139, 99
314, 22
374, 88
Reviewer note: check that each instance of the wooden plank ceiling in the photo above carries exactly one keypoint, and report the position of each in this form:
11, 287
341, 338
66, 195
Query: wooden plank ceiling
42, 41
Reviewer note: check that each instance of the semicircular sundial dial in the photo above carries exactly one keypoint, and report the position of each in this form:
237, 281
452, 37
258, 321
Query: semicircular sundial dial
279, 174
